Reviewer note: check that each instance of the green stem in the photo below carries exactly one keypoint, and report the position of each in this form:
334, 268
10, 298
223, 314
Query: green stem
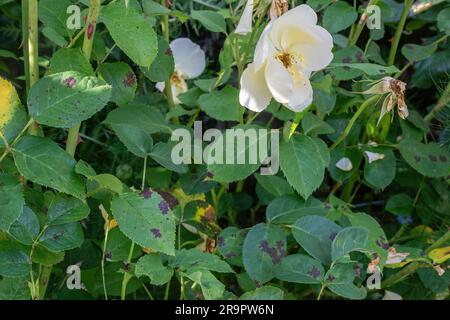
168, 84
362, 22
321, 292
44, 279
355, 117
30, 32
443, 101
398, 33
103, 262
26, 58
402, 274
167, 292
91, 23
126, 275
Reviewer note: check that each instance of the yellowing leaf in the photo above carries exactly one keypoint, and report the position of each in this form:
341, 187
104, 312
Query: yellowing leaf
421, 230
9, 103
205, 213
440, 255
184, 199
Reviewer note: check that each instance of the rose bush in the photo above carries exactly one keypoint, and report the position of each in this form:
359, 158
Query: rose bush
94, 95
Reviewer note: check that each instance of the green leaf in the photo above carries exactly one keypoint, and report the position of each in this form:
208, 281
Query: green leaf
377, 241
222, 105
104, 183
14, 263
14, 289
414, 52
122, 80
146, 220
65, 99
288, 209
339, 153
136, 140
379, 174
346, 57
11, 201
429, 159
163, 67
162, 152
212, 288
53, 35
339, 16
143, 117
300, 268
26, 228
131, 32
195, 259
238, 145
53, 14
42, 161
118, 247
70, 59
264, 248
400, 204
211, 20
303, 160
83, 168
63, 210
264, 293
275, 185
340, 281
62, 237
348, 240
151, 266
367, 68
313, 125
152, 8
315, 234
229, 244
443, 20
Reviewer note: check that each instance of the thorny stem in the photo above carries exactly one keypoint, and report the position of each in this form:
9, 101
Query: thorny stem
355, 117
398, 33
31, 48
91, 22
443, 101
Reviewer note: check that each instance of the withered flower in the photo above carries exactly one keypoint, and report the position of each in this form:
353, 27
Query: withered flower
395, 95
278, 8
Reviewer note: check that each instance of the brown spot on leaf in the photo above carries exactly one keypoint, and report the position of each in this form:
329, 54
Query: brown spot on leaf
130, 80
156, 233
70, 82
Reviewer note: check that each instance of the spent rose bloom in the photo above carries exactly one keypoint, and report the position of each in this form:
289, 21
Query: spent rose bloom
189, 64
289, 50
395, 95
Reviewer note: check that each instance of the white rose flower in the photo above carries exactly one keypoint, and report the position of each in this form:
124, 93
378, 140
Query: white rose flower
289, 50
190, 62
